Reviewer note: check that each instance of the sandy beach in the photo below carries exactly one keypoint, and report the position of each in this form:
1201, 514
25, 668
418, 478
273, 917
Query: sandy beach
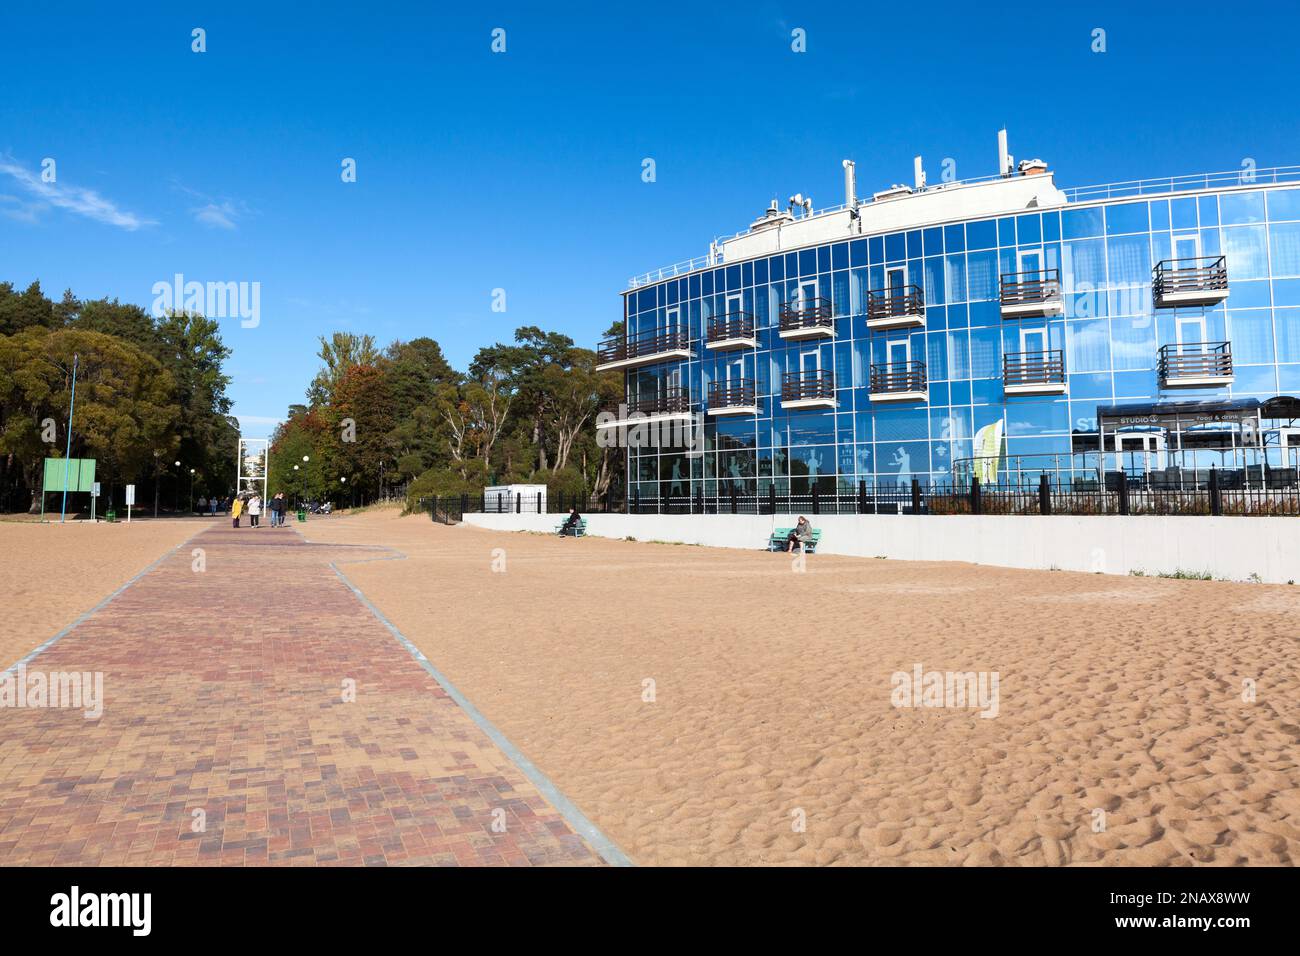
719, 707
52, 573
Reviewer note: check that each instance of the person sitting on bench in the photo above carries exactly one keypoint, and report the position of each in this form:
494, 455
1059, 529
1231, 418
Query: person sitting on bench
800, 535
571, 523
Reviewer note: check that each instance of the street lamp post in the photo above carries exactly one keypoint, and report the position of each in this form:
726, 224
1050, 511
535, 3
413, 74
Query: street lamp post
191, 491
176, 500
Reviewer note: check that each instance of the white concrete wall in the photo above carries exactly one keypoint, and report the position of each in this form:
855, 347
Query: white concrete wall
1233, 548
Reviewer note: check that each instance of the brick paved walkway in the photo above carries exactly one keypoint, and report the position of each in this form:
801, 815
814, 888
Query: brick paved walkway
224, 693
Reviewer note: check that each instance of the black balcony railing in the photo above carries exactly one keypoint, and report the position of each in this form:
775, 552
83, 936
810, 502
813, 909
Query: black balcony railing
806, 314
672, 398
895, 302
898, 377
653, 342
730, 325
1195, 360
812, 384
1208, 274
1029, 288
739, 393
1033, 368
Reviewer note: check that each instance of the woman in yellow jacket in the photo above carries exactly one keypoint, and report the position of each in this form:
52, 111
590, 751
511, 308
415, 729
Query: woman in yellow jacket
235, 508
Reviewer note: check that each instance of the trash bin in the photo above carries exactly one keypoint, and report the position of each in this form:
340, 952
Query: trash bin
110, 516
302, 515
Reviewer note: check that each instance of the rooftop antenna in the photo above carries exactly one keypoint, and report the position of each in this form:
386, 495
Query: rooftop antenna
850, 184
1005, 159
918, 172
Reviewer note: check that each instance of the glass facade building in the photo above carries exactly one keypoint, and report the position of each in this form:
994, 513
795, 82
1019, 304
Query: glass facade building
911, 352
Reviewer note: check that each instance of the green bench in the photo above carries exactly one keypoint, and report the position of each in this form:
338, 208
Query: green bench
778, 541
579, 532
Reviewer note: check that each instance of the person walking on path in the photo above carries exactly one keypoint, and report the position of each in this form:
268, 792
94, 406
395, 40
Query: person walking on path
254, 511
277, 510
236, 507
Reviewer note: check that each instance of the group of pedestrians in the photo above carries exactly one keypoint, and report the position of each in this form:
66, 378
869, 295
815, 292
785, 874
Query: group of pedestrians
251, 504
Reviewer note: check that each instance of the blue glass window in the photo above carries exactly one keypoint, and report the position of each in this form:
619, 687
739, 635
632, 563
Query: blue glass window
823, 258
1029, 231
840, 255
1006, 232
1081, 223
914, 244
982, 235
733, 278
954, 238
1284, 240
1051, 227
1183, 212
776, 265
934, 241
876, 245
1247, 252
708, 283
760, 272
1284, 204
1130, 260
1160, 215
1242, 208
1209, 206
858, 252
1126, 218
807, 263
895, 247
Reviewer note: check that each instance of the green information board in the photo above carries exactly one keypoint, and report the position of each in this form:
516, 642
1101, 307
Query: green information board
80, 472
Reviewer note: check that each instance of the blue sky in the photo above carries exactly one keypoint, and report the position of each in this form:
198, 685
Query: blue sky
522, 170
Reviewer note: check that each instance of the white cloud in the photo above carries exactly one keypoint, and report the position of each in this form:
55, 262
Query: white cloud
217, 215
74, 199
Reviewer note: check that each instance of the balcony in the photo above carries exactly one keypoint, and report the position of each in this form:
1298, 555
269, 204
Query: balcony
899, 307
737, 397
646, 348
731, 330
1195, 365
1202, 281
807, 319
899, 382
671, 403
1034, 373
811, 389
1025, 294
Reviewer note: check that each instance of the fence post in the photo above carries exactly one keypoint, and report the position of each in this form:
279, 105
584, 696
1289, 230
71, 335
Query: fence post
1044, 495
1123, 492
817, 508
1216, 494
636, 500
862, 497
464, 504
733, 498
433, 512
916, 496
483, 495
975, 504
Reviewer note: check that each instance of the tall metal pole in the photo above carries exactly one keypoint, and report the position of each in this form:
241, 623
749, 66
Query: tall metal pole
67, 460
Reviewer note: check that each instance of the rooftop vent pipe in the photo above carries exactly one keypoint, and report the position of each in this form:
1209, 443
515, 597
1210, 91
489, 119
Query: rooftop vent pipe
850, 184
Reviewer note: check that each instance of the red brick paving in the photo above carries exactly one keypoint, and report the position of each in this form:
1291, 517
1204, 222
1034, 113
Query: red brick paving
224, 693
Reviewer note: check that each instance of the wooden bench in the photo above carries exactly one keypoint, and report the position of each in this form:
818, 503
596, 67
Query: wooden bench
778, 540
579, 532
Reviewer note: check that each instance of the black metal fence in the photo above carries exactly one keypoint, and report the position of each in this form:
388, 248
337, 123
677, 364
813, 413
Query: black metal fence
962, 497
